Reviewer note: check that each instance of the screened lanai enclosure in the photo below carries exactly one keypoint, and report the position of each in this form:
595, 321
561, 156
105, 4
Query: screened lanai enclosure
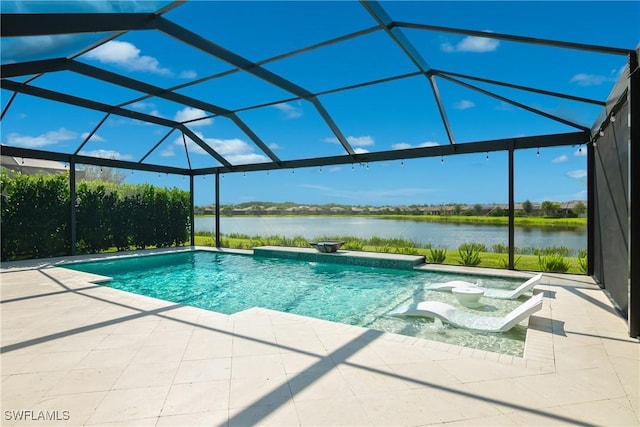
338, 72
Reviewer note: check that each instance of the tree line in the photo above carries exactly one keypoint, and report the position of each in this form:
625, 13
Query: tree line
36, 216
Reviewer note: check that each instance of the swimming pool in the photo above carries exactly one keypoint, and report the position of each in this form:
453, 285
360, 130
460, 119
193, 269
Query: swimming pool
351, 294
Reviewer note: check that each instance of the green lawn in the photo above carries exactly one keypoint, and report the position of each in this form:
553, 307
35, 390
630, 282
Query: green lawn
487, 259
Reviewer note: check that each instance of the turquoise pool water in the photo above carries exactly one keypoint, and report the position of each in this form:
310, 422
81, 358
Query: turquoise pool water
355, 295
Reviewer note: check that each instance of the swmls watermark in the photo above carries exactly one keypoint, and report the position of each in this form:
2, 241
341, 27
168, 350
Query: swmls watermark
31, 415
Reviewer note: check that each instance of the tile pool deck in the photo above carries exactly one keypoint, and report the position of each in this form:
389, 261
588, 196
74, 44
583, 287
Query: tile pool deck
86, 354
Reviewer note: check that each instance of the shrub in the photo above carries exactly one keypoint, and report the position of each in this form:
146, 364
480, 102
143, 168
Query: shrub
499, 248
582, 261
504, 262
553, 250
407, 250
478, 247
470, 254
436, 256
553, 263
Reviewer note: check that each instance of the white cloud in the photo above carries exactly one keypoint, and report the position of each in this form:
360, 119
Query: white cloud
106, 154
188, 74
560, 159
471, 44
143, 106
359, 150
360, 141
168, 152
290, 111
95, 137
354, 141
577, 174
127, 56
50, 138
584, 79
235, 150
405, 145
463, 105
580, 152
275, 146
189, 113
504, 106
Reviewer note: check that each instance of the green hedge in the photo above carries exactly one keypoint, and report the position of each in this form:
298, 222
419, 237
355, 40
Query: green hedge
36, 216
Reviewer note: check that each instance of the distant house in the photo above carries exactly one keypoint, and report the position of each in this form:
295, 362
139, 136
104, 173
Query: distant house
32, 166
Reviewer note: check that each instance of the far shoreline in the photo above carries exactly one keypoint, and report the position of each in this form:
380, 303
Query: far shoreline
520, 221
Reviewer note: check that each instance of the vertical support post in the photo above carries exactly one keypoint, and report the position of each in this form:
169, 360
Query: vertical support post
72, 202
512, 221
591, 209
634, 196
217, 209
192, 214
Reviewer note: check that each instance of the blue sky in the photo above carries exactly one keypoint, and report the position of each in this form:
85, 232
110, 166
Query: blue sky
391, 116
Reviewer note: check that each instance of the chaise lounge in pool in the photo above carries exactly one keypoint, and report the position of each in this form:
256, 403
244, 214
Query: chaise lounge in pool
462, 319
489, 292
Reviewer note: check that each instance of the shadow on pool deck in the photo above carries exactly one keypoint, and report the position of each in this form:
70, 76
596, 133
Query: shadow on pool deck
109, 356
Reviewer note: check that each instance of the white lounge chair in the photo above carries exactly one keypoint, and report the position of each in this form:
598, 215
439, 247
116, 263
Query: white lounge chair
463, 319
489, 292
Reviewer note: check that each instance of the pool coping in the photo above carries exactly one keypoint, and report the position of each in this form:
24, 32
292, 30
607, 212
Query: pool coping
538, 347
579, 365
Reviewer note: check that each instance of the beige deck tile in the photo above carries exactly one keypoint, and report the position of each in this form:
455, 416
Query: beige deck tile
258, 391
208, 346
108, 358
203, 370
59, 361
285, 414
614, 412
423, 374
137, 422
79, 407
124, 341
147, 375
129, 404
30, 386
263, 366
208, 418
491, 421
400, 408
86, 381
332, 412
177, 337
319, 385
197, 397
581, 357
253, 347
368, 379
12, 364
457, 407
506, 394
472, 370
158, 354
562, 389
295, 362
289, 342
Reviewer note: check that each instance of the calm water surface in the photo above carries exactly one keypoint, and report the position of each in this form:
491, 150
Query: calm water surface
437, 234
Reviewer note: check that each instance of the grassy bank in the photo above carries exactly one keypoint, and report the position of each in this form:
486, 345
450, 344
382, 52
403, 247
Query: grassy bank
536, 259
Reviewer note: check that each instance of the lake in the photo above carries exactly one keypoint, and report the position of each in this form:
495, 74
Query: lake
437, 234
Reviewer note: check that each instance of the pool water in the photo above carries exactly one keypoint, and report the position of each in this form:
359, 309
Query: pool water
355, 295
